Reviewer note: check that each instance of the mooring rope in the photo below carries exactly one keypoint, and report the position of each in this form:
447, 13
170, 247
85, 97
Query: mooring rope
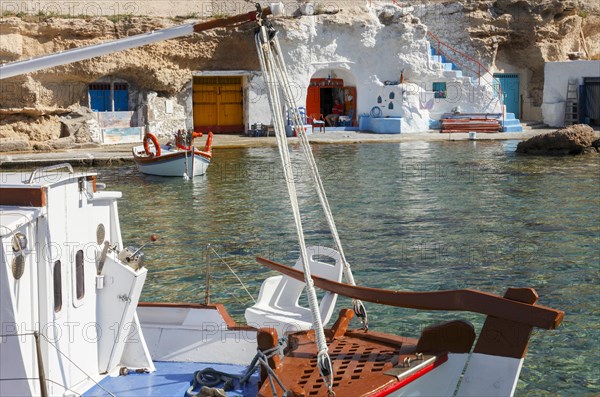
269, 67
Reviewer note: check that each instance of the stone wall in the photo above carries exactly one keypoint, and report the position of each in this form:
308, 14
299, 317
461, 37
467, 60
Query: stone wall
368, 45
166, 115
158, 8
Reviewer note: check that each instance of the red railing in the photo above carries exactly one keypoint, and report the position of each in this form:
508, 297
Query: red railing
482, 72
478, 69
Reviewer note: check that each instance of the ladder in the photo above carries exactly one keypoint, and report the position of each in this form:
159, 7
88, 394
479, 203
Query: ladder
572, 104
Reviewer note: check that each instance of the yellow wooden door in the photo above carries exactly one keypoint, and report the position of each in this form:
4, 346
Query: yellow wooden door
218, 104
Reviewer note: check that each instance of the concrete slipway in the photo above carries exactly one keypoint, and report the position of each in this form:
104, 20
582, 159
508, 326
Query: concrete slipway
95, 154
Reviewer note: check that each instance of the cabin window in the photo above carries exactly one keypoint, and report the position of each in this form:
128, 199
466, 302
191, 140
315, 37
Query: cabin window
439, 90
79, 275
57, 274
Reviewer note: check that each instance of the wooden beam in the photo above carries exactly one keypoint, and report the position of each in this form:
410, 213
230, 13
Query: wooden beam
23, 197
454, 300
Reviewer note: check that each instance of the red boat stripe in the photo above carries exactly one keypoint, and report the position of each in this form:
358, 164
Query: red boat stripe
388, 390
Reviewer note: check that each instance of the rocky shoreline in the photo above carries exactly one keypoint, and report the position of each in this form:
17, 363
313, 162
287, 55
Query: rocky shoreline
572, 140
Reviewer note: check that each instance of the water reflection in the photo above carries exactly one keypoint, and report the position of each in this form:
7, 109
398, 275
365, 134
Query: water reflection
414, 216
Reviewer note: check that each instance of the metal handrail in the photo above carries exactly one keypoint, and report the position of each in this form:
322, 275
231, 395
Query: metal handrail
480, 67
49, 168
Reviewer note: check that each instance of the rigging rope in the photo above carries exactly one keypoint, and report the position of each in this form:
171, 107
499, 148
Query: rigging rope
281, 69
232, 272
269, 66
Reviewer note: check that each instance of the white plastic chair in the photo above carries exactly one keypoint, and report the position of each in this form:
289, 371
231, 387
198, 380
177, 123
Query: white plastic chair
277, 305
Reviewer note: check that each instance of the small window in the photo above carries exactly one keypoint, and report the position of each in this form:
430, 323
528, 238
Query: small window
79, 275
439, 90
57, 286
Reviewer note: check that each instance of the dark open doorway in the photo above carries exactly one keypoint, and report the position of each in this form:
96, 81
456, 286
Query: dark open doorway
323, 92
327, 96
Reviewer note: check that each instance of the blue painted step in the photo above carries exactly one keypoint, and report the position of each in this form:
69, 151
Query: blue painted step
447, 66
514, 128
511, 123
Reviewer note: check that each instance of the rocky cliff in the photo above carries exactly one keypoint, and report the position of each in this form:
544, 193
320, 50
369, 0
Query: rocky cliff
520, 33
523, 33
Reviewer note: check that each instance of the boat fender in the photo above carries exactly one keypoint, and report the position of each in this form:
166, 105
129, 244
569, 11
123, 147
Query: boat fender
151, 138
207, 147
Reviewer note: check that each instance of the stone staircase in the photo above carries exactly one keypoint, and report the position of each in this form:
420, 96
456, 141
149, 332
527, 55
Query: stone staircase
451, 72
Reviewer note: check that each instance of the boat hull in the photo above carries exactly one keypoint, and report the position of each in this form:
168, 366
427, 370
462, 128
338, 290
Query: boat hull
173, 163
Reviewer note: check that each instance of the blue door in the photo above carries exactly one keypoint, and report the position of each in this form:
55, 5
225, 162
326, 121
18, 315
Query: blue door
510, 91
100, 97
121, 96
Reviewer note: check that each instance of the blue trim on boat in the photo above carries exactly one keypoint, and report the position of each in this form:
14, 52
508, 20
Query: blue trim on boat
171, 379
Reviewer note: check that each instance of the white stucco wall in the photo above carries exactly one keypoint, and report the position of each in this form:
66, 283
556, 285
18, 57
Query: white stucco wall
366, 53
556, 78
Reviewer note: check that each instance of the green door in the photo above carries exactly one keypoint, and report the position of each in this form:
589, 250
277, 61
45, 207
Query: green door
510, 90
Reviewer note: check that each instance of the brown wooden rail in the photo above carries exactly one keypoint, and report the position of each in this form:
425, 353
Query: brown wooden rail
454, 300
230, 21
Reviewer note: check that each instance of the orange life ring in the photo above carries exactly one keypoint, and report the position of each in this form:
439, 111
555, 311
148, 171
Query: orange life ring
151, 138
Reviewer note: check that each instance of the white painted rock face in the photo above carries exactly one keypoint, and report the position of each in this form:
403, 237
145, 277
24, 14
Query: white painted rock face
370, 49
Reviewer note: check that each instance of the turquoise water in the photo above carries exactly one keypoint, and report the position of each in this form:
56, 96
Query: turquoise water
412, 216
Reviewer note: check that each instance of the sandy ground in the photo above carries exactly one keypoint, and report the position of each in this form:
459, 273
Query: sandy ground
95, 154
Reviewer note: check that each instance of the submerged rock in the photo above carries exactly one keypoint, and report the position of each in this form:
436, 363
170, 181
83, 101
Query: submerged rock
575, 139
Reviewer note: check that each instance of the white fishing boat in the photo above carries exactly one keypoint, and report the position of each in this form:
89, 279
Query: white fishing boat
152, 158
72, 322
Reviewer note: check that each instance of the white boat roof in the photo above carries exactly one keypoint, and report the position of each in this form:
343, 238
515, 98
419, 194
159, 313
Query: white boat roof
19, 179
12, 218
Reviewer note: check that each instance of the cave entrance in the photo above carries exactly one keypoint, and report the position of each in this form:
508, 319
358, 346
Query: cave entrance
328, 85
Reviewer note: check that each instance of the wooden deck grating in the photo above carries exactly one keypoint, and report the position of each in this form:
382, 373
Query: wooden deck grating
360, 360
